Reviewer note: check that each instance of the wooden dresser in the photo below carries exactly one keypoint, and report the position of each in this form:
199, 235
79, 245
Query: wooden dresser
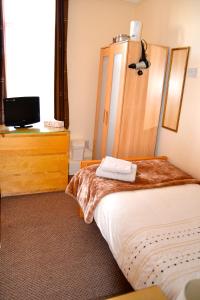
33, 160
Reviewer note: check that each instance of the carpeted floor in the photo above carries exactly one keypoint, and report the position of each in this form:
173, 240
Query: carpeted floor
48, 252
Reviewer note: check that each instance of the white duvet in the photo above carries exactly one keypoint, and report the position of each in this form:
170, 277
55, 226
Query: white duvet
154, 235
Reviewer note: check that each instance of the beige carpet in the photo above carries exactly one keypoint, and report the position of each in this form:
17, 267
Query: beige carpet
49, 253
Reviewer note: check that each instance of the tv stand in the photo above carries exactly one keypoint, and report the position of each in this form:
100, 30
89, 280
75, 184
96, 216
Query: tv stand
33, 160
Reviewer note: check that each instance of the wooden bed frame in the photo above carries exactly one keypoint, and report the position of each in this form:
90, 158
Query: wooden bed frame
86, 163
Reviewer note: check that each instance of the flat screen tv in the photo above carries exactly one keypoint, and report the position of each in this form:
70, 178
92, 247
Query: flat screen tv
21, 111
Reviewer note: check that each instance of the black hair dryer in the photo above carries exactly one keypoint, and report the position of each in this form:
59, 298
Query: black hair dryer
143, 62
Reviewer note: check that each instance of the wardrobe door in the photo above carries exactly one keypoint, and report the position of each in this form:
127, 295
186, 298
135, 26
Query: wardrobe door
114, 99
101, 96
142, 102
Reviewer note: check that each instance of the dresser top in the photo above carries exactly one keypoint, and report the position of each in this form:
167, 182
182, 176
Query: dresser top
37, 128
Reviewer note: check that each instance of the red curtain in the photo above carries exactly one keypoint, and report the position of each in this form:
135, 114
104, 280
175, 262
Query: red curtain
2, 64
61, 105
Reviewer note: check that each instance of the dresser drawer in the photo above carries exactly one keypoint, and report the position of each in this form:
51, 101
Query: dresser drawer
30, 165
34, 183
30, 145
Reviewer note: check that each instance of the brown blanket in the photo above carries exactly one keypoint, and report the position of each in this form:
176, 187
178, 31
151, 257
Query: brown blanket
89, 189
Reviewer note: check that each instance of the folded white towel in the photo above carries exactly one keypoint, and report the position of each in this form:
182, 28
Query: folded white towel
117, 175
112, 164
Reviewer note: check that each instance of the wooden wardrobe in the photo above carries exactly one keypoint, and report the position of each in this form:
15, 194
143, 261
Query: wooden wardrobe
128, 105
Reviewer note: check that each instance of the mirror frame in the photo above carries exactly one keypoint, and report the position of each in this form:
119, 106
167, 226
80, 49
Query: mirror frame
177, 67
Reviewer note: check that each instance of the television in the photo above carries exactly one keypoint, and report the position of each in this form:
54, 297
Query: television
21, 111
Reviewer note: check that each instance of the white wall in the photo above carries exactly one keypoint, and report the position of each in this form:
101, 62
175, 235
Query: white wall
92, 25
176, 23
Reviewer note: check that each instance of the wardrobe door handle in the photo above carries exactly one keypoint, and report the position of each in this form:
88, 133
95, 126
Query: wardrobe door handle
106, 117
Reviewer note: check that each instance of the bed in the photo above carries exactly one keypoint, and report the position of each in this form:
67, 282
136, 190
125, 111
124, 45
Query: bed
154, 231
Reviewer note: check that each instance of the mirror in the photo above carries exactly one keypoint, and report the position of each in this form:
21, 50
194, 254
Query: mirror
175, 87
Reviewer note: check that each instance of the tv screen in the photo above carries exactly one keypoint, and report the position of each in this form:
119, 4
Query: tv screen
21, 111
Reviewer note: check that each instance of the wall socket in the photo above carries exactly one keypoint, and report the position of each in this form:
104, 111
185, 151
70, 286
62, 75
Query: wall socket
192, 72
87, 144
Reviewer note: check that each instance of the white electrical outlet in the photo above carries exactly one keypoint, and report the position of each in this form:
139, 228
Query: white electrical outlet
192, 72
87, 144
